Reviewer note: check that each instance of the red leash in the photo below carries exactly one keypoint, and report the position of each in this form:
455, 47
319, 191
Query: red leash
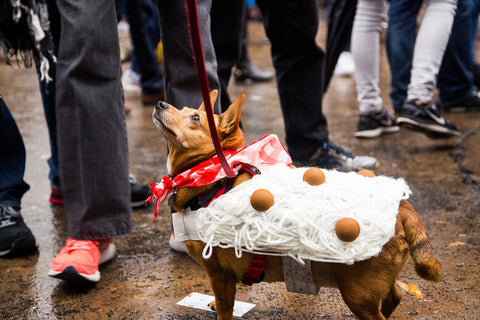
192, 15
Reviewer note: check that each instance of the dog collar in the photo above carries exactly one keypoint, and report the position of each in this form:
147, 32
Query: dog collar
265, 151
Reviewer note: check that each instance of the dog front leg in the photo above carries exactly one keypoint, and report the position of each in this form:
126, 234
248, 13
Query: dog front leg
224, 288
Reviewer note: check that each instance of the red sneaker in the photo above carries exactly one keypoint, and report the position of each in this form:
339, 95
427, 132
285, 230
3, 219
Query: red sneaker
79, 259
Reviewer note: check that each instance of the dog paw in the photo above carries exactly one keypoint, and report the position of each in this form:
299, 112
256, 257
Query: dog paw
211, 305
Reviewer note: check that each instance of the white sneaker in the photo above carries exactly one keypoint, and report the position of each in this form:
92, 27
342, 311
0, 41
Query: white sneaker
345, 66
131, 81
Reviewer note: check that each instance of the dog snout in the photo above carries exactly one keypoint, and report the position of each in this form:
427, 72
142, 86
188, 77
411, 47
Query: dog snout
161, 105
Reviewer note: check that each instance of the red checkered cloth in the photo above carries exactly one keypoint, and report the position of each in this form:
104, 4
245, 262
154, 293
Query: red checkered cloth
265, 151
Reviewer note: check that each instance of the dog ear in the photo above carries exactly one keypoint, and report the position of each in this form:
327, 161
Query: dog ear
213, 98
230, 119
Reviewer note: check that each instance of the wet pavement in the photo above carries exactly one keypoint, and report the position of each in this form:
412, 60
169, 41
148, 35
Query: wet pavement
147, 278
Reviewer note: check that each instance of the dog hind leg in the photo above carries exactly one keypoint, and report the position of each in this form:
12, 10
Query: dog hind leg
391, 301
365, 305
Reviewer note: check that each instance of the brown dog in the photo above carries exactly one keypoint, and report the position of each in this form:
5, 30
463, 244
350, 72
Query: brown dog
189, 143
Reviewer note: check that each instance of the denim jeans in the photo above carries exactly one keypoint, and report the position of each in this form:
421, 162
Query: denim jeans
473, 33
47, 91
455, 79
12, 160
401, 35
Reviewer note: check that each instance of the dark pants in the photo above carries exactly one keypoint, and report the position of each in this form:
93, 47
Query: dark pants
220, 26
91, 128
143, 19
291, 26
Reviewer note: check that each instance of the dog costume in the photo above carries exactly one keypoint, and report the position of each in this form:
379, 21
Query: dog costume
301, 222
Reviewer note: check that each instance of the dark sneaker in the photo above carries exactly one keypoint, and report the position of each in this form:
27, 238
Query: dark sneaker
334, 157
467, 104
139, 192
427, 119
15, 237
247, 72
372, 125
56, 197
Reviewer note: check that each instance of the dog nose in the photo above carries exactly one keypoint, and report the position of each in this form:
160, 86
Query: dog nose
161, 105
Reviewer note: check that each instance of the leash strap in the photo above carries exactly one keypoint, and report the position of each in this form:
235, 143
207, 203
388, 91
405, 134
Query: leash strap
198, 57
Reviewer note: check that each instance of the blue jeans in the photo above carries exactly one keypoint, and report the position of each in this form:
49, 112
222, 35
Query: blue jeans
455, 78
12, 160
47, 91
474, 16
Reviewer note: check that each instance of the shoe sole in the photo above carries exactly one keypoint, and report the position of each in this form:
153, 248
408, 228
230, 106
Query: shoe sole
19, 247
71, 274
431, 130
376, 132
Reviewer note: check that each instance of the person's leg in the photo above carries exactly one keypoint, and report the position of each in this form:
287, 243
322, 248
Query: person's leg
15, 236
419, 112
430, 45
292, 26
366, 53
12, 160
245, 70
455, 78
475, 11
91, 128
47, 91
473, 34
374, 119
182, 87
299, 62
401, 34
226, 29
138, 14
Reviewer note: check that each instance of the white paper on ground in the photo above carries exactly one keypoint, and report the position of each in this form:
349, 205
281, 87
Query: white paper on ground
201, 301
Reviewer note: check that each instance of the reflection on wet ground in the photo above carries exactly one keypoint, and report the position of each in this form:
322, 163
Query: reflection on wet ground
146, 279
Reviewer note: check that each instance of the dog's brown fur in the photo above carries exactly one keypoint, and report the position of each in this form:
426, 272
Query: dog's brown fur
367, 287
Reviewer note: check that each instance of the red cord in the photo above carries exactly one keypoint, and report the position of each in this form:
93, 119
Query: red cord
198, 57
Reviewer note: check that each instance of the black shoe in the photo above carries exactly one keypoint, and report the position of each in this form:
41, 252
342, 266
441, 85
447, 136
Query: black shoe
427, 119
372, 125
469, 103
139, 192
245, 71
15, 237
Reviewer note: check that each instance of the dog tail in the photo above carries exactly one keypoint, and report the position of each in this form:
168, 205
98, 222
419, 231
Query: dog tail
426, 265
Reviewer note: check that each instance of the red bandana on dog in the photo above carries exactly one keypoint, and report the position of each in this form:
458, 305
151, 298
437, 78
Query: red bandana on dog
267, 150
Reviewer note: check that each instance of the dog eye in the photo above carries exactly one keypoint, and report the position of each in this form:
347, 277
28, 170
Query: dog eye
196, 118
